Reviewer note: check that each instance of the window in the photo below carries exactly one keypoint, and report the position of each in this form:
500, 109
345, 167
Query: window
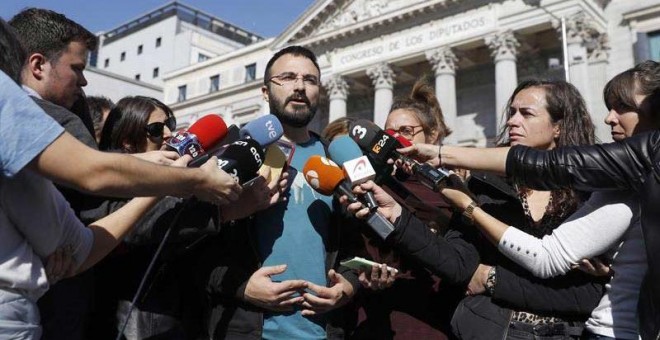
155, 73
140, 49
106, 63
654, 45
137, 77
158, 41
201, 57
250, 72
215, 83
123, 56
182, 94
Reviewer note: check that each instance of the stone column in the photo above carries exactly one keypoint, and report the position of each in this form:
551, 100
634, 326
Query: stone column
504, 48
265, 106
337, 89
443, 60
577, 30
382, 77
597, 59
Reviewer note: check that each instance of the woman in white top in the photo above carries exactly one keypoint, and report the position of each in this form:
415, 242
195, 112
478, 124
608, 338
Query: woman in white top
607, 221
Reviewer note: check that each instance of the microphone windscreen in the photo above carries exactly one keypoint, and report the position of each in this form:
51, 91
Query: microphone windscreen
403, 141
322, 174
276, 160
363, 133
265, 130
343, 149
209, 130
247, 153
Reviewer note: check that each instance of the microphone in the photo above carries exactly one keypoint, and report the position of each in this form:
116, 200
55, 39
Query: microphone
265, 130
429, 176
201, 136
241, 159
357, 167
276, 160
326, 177
382, 146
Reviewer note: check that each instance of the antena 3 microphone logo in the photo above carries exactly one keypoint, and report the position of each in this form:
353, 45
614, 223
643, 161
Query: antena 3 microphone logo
380, 144
359, 170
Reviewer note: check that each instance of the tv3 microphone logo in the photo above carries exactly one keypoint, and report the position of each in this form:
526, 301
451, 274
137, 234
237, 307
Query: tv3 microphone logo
380, 144
359, 132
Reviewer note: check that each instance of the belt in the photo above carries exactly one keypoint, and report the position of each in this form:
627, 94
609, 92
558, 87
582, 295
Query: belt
557, 328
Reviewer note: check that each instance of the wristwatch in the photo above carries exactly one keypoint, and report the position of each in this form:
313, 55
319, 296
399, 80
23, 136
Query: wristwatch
467, 213
490, 281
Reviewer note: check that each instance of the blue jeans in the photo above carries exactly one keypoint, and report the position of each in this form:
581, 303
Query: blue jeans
19, 317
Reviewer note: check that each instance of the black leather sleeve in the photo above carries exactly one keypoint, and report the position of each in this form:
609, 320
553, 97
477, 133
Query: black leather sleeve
574, 294
454, 258
621, 165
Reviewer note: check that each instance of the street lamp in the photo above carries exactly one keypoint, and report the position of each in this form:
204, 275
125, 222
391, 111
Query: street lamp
564, 43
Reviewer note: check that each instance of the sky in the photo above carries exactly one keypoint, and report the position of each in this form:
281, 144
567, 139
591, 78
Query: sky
267, 18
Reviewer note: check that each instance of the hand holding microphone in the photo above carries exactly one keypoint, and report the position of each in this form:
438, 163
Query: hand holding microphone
387, 206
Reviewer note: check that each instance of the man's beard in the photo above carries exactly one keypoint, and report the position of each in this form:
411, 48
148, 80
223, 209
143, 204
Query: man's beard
302, 113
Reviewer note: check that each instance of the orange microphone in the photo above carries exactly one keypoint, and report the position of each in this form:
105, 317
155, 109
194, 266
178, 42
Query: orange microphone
327, 178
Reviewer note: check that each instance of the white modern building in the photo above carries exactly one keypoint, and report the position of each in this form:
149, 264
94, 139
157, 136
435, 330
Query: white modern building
474, 51
135, 55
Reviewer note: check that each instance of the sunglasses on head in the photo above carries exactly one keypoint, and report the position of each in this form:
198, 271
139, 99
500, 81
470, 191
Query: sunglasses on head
157, 129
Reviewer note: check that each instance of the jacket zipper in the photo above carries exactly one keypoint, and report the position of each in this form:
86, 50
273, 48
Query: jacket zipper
508, 324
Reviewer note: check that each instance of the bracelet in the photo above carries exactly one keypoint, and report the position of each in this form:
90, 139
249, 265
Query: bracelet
440, 155
490, 281
469, 210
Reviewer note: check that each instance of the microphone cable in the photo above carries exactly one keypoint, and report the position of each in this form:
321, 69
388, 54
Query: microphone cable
143, 281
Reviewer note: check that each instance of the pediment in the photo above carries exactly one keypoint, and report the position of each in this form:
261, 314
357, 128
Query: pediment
324, 17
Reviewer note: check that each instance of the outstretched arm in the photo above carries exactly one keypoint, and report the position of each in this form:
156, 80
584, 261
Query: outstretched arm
69, 162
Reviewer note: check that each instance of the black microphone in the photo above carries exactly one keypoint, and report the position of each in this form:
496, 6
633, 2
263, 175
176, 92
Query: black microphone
242, 159
382, 146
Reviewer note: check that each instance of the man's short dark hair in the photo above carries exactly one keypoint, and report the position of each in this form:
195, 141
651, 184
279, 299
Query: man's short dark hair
13, 56
49, 33
293, 50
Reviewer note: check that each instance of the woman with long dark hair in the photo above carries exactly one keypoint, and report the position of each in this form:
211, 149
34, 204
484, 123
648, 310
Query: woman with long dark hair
520, 305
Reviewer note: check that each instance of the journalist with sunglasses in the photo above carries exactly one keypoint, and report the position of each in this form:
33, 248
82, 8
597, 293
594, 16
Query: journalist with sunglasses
141, 125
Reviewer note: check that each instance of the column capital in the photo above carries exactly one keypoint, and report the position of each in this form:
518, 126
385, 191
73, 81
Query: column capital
598, 48
381, 75
337, 87
579, 28
503, 45
443, 60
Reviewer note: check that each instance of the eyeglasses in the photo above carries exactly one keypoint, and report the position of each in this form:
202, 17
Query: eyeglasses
157, 129
408, 131
289, 78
